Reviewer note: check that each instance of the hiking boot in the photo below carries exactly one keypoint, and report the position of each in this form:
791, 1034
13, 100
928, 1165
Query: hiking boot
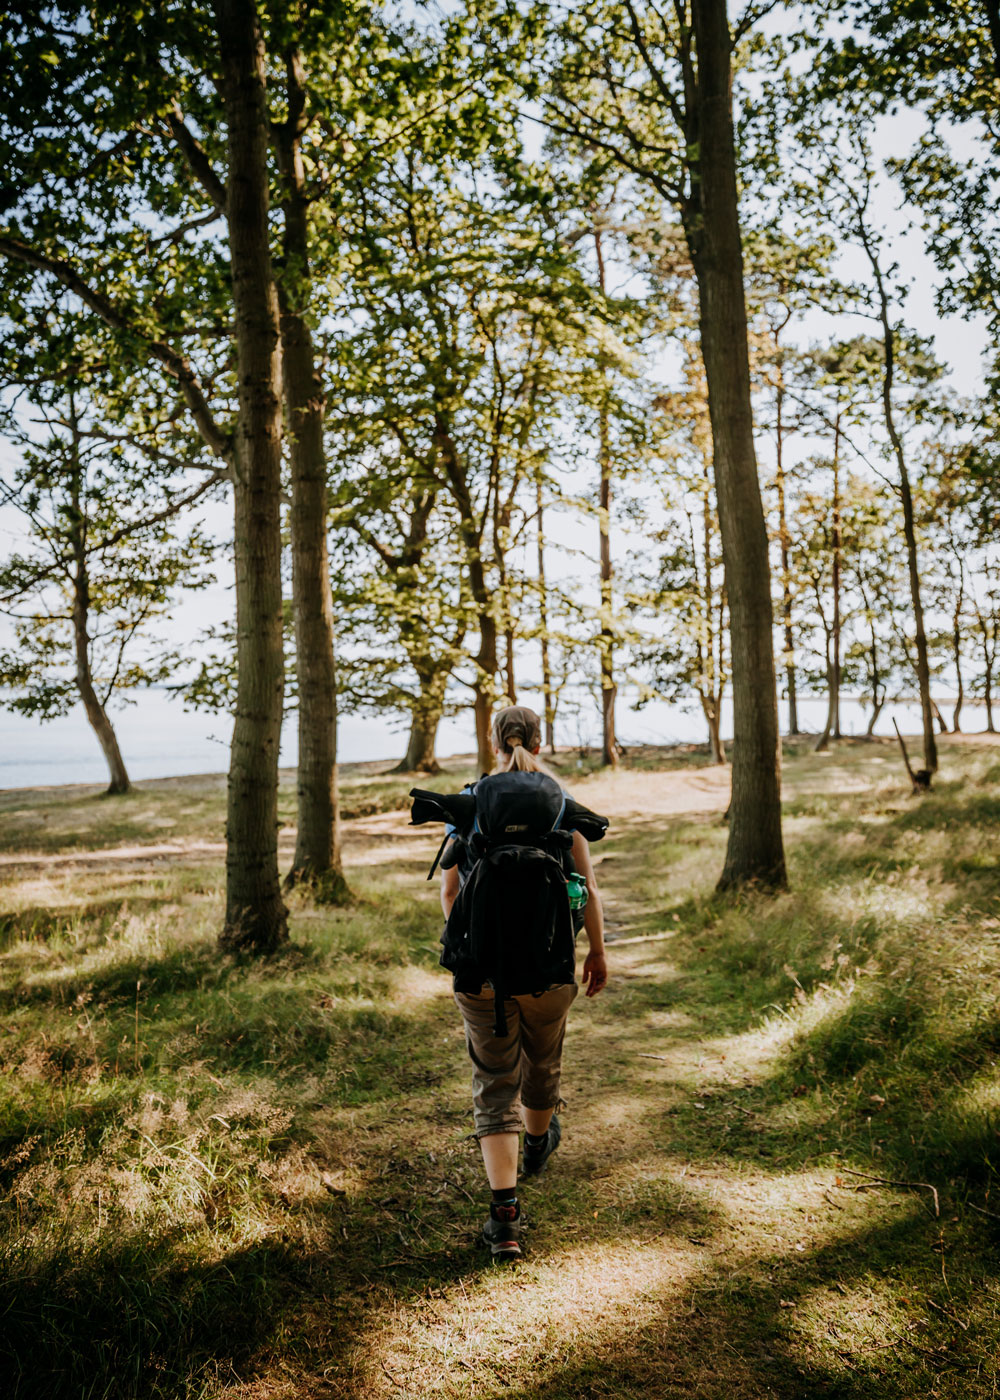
535, 1156
502, 1232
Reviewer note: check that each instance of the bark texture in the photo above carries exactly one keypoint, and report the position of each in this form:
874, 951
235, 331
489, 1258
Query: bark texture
256, 918
471, 531
548, 692
317, 848
784, 542
606, 641
906, 497
755, 852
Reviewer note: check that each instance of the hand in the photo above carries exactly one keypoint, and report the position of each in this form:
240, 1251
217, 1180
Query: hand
595, 973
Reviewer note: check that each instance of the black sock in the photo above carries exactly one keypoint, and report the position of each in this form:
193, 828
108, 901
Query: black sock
507, 1196
536, 1139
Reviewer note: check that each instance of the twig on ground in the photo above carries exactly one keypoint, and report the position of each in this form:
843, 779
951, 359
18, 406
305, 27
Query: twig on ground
448, 1182
888, 1181
991, 1213
643, 1056
398, 1384
945, 1313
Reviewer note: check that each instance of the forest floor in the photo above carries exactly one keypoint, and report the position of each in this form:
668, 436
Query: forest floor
240, 1181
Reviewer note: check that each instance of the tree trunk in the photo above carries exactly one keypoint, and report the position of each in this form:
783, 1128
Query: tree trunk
784, 540
835, 669
543, 618
420, 756
711, 712
96, 714
424, 720
483, 686
755, 851
508, 639
988, 693
909, 528
823, 742
256, 918
956, 642
877, 705
606, 641
317, 857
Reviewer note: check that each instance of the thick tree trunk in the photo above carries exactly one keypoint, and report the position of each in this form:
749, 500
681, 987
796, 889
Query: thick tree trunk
906, 495
256, 918
424, 720
420, 756
606, 641
784, 540
543, 619
317, 849
755, 851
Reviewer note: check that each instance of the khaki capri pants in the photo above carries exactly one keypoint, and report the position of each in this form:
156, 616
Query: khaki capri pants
521, 1067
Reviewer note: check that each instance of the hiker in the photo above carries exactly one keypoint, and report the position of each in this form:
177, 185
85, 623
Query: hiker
516, 1073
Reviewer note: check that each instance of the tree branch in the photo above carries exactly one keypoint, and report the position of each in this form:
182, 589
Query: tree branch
176, 364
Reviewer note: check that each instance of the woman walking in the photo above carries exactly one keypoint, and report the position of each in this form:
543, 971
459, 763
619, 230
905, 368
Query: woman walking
515, 1078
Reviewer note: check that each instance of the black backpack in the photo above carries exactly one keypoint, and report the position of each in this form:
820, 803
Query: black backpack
511, 923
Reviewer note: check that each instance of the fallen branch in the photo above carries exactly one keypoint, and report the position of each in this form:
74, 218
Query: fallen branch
945, 1313
991, 1213
888, 1181
643, 1056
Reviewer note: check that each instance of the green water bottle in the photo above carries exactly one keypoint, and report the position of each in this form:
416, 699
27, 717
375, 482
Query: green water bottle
576, 888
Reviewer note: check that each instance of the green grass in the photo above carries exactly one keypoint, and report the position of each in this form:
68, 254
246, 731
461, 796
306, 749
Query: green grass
225, 1178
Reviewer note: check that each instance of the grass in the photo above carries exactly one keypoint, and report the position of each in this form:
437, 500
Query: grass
232, 1179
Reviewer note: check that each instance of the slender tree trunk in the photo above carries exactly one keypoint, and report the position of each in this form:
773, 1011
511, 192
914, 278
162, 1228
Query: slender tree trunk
823, 742
906, 495
606, 641
256, 918
508, 642
543, 618
988, 694
784, 540
471, 534
317, 857
97, 716
755, 851
710, 710
877, 704
835, 670
956, 642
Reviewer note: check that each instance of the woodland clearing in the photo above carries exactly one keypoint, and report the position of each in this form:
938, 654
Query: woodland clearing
244, 1178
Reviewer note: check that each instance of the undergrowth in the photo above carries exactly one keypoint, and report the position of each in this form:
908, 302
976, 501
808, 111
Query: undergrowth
230, 1178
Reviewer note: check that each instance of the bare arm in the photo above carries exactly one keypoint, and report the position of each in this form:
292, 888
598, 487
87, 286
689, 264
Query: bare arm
595, 968
449, 889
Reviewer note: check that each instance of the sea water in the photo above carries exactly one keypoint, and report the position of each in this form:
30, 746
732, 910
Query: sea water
159, 738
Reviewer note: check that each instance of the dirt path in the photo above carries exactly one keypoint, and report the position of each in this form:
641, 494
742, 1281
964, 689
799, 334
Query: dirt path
660, 1265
